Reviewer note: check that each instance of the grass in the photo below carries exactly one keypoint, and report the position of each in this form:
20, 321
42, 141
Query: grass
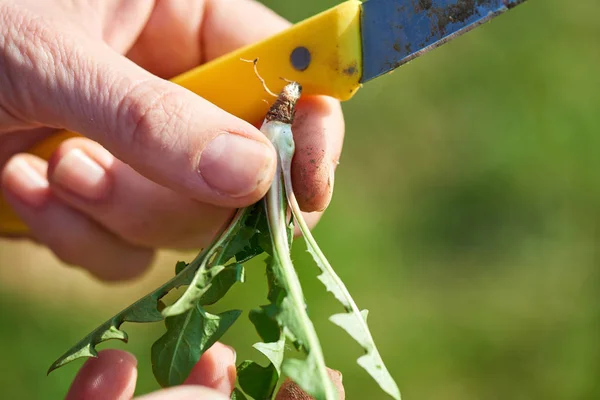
465, 218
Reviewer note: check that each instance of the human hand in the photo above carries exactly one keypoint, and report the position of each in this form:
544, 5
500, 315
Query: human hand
112, 376
158, 166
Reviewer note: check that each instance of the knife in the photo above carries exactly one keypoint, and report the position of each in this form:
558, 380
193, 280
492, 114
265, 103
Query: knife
332, 53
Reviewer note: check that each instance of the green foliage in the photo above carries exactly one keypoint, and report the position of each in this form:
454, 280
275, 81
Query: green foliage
256, 380
238, 395
190, 334
144, 310
187, 317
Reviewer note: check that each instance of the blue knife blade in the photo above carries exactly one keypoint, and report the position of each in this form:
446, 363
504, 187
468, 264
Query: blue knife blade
396, 31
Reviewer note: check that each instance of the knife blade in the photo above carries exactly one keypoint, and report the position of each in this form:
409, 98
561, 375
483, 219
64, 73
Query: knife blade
395, 32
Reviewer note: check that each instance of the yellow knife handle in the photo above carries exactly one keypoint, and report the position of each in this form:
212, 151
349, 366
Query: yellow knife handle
322, 53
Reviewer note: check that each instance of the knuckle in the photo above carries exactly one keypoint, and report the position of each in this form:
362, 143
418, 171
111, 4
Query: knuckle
151, 112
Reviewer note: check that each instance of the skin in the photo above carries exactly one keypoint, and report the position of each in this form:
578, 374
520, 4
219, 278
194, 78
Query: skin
112, 376
158, 167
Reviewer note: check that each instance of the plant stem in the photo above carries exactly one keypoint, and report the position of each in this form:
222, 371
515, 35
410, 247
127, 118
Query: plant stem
276, 206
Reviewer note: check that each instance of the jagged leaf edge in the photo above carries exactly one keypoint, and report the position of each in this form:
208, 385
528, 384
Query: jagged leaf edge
221, 285
354, 322
371, 361
110, 329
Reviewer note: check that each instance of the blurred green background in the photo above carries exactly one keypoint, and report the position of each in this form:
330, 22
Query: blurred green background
465, 218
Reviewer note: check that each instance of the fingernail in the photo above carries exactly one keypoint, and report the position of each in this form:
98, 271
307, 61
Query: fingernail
234, 165
26, 182
79, 174
110, 376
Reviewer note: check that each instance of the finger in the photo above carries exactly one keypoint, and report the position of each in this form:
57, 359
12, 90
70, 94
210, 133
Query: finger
162, 130
311, 219
121, 21
117, 22
252, 21
17, 142
290, 391
170, 42
74, 238
185, 393
216, 369
182, 34
111, 376
88, 178
318, 135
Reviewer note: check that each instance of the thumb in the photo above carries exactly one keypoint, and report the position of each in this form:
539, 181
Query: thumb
64, 78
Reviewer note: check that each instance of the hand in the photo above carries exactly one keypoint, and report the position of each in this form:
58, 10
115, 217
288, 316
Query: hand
158, 166
112, 376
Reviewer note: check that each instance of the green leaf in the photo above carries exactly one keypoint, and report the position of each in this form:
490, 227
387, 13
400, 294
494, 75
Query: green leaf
199, 286
246, 243
149, 308
180, 266
265, 323
188, 336
273, 351
238, 395
221, 284
144, 310
354, 322
257, 381
217, 254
